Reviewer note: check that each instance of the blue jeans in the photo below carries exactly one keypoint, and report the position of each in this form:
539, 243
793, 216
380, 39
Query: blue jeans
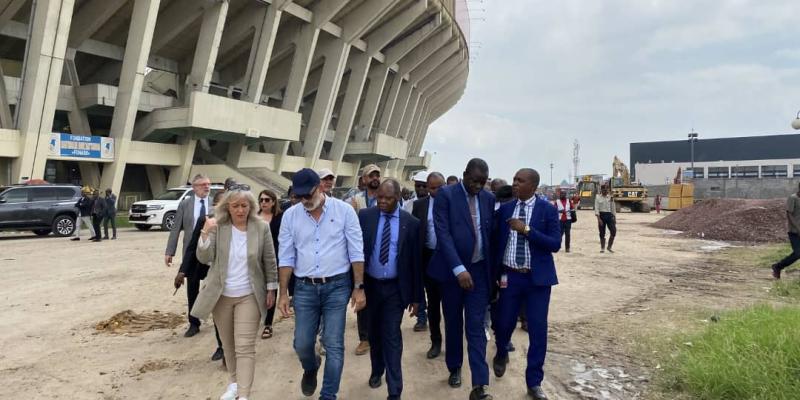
322, 301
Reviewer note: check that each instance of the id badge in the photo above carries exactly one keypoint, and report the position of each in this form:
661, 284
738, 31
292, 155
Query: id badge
503, 281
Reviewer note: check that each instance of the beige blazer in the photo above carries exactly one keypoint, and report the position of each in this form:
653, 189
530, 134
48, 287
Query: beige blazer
261, 264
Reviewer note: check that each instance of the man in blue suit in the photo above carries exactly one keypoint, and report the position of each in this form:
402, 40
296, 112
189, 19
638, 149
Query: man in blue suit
526, 234
393, 281
462, 217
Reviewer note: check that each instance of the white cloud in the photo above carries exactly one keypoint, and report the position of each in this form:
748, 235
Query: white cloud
613, 72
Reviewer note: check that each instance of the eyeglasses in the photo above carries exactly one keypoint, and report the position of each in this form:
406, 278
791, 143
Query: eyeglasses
239, 187
265, 200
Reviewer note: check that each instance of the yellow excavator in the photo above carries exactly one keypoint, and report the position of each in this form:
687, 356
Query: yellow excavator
626, 193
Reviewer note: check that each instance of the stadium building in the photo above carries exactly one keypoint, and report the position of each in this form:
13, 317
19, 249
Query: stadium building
140, 95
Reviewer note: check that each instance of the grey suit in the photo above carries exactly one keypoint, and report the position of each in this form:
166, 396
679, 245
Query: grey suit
261, 264
184, 221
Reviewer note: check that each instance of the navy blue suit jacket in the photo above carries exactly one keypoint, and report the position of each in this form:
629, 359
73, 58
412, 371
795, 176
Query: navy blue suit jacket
409, 266
455, 237
544, 239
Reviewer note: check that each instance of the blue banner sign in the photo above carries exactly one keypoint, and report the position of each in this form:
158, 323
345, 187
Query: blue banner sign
81, 146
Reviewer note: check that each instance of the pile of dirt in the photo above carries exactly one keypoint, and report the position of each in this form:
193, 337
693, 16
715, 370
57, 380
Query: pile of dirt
737, 220
131, 322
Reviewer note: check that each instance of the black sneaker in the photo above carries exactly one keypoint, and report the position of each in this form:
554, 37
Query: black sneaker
776, 272
455, 378
308, 385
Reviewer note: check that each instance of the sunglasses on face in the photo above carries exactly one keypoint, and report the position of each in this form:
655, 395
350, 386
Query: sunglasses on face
240, 187
265, 200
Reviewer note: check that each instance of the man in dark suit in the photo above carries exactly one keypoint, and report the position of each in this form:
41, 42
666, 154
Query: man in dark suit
463, 220
432, 304
393, 281
527, 232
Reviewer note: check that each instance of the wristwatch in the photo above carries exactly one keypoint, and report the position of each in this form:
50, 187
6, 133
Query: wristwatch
358, 285
527, 230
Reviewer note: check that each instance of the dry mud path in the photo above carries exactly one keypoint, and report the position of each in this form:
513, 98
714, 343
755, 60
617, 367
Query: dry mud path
55, 291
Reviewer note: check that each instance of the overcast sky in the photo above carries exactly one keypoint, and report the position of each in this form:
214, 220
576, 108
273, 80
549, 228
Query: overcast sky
612, 72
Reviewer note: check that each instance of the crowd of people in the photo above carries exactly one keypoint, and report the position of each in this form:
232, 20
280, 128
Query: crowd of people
94, 212
476, 257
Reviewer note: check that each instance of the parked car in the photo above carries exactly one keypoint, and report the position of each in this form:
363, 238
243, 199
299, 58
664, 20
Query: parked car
41, 209
161, 210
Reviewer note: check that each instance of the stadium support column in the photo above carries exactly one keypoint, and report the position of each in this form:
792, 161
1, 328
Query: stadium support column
43, 67
377, 80
304, 46
400, 106
359, 66
391, 99
6, 119
335, 53
261, 53
137, 50
199, 79
79, 120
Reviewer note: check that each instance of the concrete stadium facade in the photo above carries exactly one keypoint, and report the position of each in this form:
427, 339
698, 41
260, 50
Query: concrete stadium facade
139, 95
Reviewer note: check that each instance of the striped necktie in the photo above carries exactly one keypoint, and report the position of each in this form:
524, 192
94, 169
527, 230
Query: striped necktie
521, 240
386, 237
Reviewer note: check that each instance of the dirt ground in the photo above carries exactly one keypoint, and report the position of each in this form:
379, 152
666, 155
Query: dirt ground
54, 292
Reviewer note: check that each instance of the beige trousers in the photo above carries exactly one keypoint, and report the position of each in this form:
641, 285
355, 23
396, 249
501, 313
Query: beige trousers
238, 319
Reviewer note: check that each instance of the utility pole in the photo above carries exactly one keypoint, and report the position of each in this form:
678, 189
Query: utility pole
576, 148
692, 139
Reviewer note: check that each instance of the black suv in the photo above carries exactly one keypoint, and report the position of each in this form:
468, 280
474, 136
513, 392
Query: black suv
40, 208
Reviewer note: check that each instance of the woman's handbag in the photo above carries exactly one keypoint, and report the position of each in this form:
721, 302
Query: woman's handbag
573, 216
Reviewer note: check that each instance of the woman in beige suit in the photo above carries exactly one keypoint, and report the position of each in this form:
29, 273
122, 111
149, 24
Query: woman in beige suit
241, 282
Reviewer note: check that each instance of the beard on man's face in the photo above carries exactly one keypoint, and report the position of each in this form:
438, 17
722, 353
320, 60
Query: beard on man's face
374, 184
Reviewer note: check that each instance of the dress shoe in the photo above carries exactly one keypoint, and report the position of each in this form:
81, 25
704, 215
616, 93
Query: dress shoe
420, 327
776, 272
193, 330
499, 365
308, 385
374, 381
218, 355
455, 378
105, 237
537, 393
363, 348
75, 239
114, 238
393, 397
435, 350
479, 393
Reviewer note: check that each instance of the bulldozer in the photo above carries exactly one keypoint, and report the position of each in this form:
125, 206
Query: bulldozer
624, 192
588, 188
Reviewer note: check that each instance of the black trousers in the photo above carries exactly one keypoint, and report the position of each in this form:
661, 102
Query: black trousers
96, 220
607, 220
192, 290
385, 309
433, 293
794, 240
362, 319
113, 219
566, 227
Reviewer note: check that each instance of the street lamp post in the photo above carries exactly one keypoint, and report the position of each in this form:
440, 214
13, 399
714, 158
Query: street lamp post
551, 174
692, 139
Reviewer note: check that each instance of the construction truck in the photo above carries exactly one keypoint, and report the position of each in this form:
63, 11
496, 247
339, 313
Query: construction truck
626, 193
588, 188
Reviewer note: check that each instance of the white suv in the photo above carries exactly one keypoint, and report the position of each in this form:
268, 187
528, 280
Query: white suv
161, 210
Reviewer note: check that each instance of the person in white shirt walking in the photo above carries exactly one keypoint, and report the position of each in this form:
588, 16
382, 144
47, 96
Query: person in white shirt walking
606, 212
241, 283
